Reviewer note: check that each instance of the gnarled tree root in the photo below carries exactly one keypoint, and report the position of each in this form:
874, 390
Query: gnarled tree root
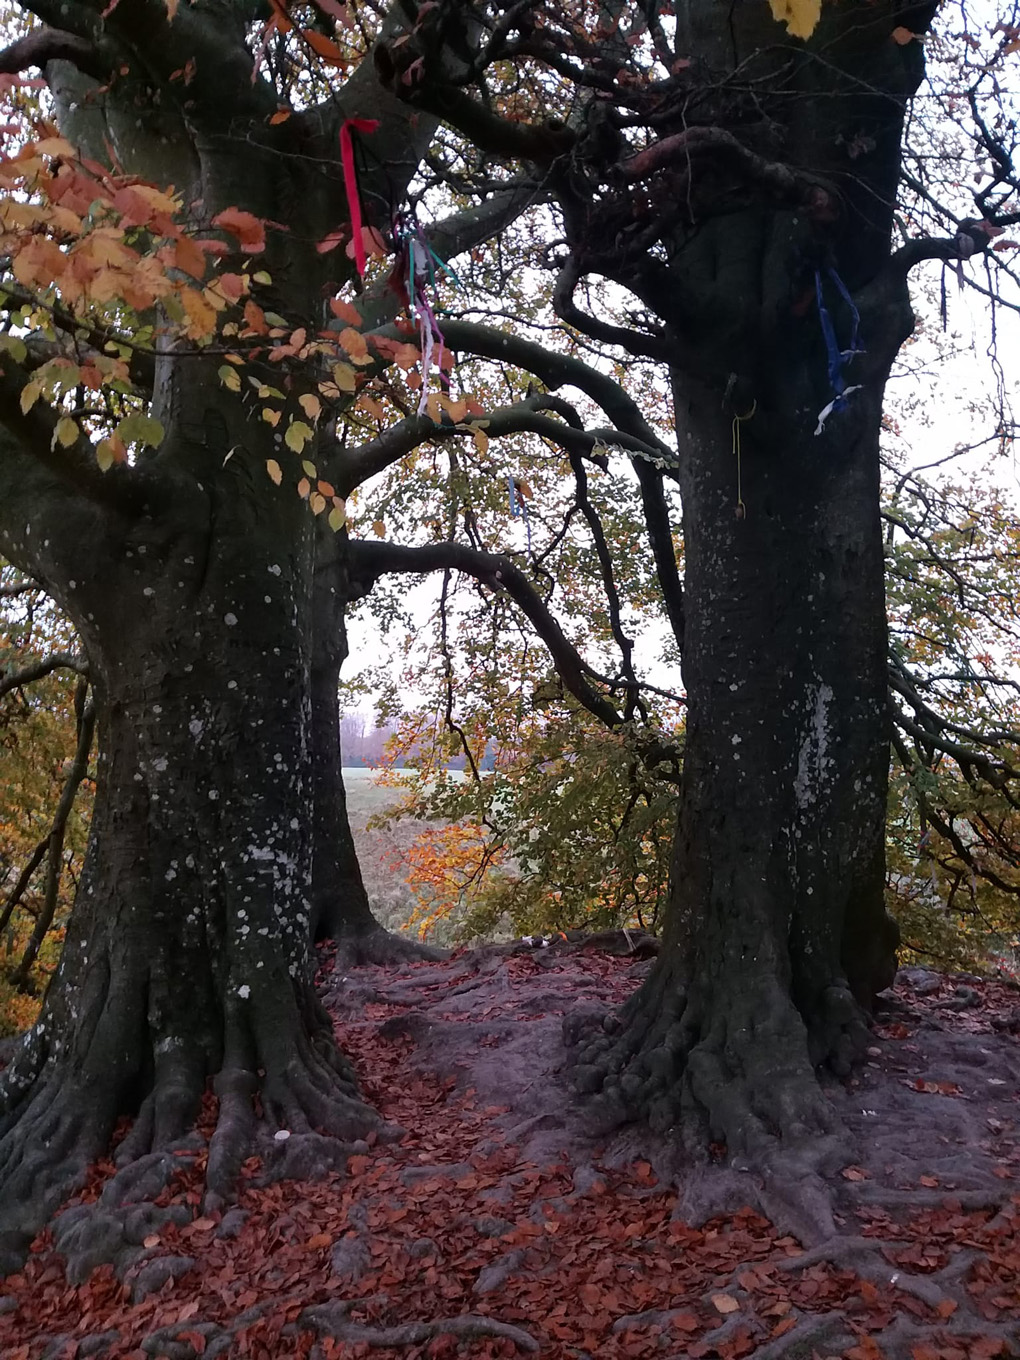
332, 1319
381, 948
736, 1070
312, 1119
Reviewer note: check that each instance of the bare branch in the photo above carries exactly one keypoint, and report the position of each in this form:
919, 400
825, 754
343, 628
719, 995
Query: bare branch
54, 44
37, 670
369, 561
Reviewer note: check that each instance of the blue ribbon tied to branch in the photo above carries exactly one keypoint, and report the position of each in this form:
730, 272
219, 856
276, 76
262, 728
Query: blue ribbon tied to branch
838, 359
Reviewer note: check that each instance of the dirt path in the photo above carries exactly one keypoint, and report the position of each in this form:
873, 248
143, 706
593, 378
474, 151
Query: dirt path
493, 1226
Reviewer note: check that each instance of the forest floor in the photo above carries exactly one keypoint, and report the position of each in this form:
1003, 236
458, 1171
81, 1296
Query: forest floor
496, 1227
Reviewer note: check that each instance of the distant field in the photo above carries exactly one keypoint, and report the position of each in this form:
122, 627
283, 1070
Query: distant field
382, 851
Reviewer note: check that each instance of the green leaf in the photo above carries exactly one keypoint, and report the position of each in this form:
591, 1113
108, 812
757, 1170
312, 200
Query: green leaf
337, 518
298, 435
65, 433
229, 377
138, 428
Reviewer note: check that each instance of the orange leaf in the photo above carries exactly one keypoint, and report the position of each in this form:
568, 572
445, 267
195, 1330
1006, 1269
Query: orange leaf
325, 47
344, 311
319, 1240
280, 116
250, 232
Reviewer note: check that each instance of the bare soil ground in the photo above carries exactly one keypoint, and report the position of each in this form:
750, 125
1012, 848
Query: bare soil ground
494, 1224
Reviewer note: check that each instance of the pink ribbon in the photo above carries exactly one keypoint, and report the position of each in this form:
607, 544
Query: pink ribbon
351, 182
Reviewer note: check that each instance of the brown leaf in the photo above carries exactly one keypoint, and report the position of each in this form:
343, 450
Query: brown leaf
725, 1303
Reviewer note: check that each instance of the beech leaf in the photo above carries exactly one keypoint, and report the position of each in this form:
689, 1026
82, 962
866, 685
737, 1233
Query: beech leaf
274, 470
800, 16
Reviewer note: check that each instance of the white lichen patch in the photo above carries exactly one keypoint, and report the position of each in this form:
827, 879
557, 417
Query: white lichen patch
814, 759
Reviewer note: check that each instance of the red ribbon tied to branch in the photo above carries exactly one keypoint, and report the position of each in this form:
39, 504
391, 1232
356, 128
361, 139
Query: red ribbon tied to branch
351, 182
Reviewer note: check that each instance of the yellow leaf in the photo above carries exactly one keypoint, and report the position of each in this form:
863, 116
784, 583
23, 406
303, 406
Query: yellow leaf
274, 470
800, 16
379, 528
30, 394
270, 416
104, 455
230, 378
298, 435
317, 502
66, 432
345, 377
337, 518
310, 404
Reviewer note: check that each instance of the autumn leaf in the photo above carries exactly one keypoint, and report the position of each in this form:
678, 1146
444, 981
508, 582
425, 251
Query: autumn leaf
725, 1303
139, 428
379, 528
65, 432
902, 36
343, 311
337, 518
298, 435
247, 228
274, 470
229, 377
345, 377
310, 404
324, 47
800, 16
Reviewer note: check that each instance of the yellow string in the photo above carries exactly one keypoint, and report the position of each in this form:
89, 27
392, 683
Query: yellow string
741, 509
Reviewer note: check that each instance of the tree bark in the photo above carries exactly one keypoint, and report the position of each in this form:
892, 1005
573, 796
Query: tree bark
188, 950
777, 937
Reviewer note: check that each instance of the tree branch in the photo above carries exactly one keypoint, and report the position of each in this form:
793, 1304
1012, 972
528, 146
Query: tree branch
55, 44
37, 670
556, 371
34, 431
523, 417
722, 147
487, 131
55, 849
369, 561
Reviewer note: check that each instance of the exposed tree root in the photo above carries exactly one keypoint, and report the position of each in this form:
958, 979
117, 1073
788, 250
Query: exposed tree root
383, 948
738, 1074
332, 1319
57, 1123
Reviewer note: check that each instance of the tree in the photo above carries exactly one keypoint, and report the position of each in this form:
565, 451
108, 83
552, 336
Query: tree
175, 235
741, 184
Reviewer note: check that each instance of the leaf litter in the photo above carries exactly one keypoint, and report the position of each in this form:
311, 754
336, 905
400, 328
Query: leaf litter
494, 1225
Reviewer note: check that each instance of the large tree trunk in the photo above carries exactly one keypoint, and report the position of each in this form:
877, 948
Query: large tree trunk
777, 935
188, 950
